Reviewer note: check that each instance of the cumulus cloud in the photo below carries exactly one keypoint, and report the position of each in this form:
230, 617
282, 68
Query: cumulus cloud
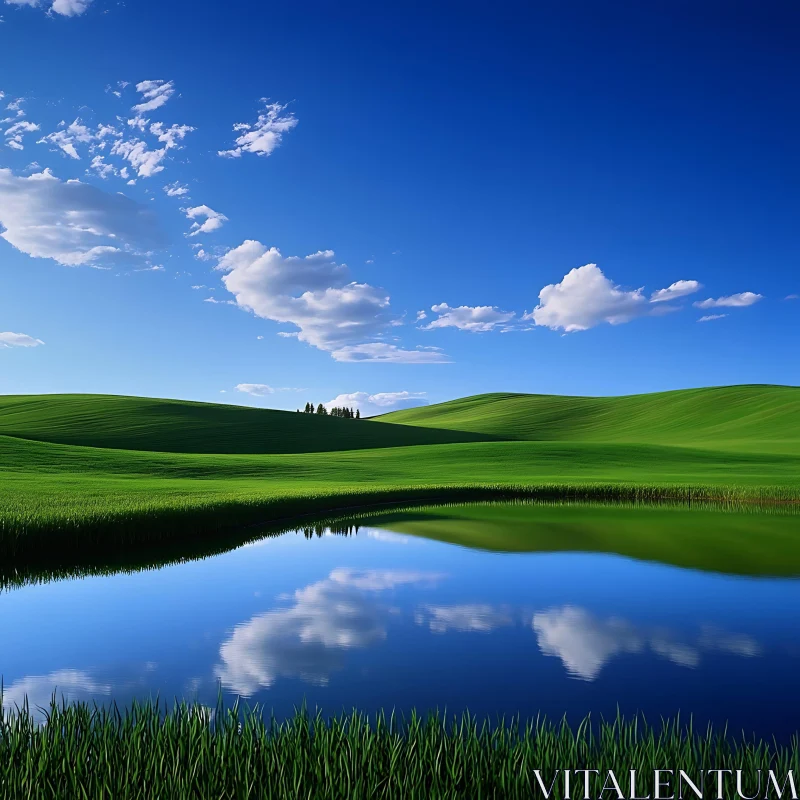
266, 135
154, 95
256, 389
740, 300
379, 403
585, 643
15, 132
308, 639
586, 298
675, 291
317, 295
213, 220
468, 318
9, 339
74, 223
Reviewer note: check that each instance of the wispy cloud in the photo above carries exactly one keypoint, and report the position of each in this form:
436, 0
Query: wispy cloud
75, 223
477, 319
741, 300
154, 95
9, 339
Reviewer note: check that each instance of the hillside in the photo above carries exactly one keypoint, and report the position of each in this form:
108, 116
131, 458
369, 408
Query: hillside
753, 418
141, 423
87, 473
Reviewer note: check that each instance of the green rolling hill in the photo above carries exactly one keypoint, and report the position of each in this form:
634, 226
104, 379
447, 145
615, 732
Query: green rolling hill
83, 471
765, 418
177, 426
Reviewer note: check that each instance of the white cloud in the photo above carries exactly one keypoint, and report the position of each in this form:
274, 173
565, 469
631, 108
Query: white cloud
101, 168
740, 300
712, 317
68, 136
146, 162
15, 132
792, 297
389, 354
213, 220
468, 318
154, 95
421, 315
675, 291
315, 293
66, 8
176, 189
74, 223
256, 389
586, 298
70, 8
379, 403
308, 639
585, 644
265, 136
139, 123
9, 339
170, 136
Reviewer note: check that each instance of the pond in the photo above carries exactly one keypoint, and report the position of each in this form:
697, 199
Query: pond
500, 609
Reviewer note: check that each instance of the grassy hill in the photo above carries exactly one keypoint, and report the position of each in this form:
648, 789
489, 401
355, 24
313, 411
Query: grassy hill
92, 472
177, 426
763, 418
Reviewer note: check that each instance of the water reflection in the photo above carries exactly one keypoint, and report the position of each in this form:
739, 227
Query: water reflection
307, 639
380, 620
70, 684
475, 617
585, 643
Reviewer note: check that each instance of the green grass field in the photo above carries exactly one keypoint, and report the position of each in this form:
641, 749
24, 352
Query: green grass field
143, 753
101, 471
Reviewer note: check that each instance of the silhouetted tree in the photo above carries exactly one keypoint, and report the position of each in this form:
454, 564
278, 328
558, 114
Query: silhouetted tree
322, 410
358, 413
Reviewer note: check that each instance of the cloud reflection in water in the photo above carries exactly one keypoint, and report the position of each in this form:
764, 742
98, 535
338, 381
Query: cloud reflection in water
307, 639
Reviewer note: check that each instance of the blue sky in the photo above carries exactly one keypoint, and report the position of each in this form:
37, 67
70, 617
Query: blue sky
465, 160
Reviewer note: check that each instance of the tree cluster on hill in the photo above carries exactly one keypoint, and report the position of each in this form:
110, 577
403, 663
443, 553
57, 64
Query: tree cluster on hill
337, 411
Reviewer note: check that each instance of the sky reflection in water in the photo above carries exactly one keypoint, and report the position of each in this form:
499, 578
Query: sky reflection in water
393, 621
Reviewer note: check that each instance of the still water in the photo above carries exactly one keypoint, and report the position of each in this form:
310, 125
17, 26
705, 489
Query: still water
387, 618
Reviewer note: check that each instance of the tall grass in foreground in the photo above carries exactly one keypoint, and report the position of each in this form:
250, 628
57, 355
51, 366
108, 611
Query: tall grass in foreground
83, 751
